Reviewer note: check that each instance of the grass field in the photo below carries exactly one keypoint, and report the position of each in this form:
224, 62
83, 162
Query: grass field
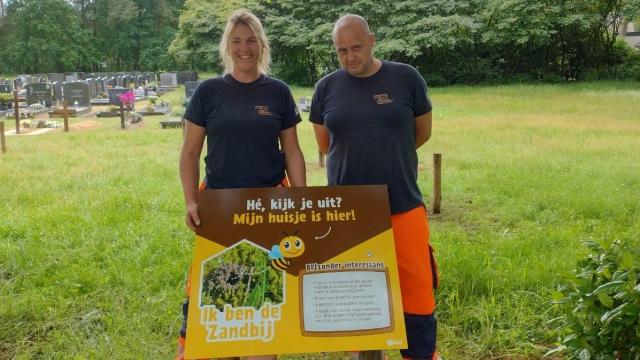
93, 250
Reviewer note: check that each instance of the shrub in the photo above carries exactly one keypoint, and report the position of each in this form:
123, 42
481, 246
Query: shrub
600, 305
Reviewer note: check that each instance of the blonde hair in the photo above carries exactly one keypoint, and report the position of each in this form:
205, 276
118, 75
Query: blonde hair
245, 17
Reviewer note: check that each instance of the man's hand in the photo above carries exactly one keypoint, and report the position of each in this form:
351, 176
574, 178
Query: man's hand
193, 219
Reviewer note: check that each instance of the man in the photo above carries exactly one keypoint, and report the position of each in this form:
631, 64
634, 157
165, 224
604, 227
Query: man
370, 117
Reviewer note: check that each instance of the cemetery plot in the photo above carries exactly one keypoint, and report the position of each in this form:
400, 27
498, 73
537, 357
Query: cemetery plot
39, 93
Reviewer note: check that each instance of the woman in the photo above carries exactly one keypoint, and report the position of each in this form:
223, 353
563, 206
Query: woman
247, 118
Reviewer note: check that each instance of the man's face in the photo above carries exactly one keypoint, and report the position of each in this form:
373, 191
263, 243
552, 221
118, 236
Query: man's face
355, 49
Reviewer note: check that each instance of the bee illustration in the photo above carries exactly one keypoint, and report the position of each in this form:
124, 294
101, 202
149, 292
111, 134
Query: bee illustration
290, 246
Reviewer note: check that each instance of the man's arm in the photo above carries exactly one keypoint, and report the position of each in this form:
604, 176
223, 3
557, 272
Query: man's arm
322, 137
423, 129
294, 160
190, 170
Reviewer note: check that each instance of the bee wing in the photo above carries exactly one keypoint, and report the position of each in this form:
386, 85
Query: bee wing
275, 252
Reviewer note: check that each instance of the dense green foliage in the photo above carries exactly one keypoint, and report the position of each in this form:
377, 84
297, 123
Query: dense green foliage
449, 41
87, 35
242, 276
601, 304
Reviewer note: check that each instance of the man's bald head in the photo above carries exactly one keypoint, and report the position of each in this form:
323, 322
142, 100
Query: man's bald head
350, 20
354, 45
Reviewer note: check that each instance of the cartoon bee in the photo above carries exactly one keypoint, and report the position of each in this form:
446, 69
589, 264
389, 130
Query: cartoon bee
290, 246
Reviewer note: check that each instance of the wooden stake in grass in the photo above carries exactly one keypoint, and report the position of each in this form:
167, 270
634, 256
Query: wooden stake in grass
437, 181
17, 111
121, 115
3, 144
65, 113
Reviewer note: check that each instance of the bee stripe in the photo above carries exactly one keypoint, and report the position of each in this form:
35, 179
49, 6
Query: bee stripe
280, 264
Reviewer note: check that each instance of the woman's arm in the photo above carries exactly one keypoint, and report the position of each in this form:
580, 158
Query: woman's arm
190, 170
294, 160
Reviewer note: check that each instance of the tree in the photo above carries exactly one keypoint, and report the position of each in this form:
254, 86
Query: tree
45, 35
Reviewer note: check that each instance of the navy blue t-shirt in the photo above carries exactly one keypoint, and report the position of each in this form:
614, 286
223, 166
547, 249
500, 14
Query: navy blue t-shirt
243, 122
371, 124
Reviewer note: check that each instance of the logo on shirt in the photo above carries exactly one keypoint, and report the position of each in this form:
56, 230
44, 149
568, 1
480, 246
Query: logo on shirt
382, 99
263, 110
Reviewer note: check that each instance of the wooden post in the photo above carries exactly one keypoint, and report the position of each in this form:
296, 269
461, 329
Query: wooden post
65, 113
3, 143
121, 115
17, 111
437, 182
371, 355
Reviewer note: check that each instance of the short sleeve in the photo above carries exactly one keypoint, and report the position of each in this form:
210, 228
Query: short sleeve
292, 115
421, 102
315, 114
195, 108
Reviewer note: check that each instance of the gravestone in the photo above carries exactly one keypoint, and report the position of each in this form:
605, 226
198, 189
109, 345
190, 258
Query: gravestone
168, 79
114, 95
139, 80
24, 80
77, 92
119, 82
189, 88
100, 88
6, 86
185, 76
57, 90
53, 77
150, 77
71, 77
92, 88
37, 93
81, 76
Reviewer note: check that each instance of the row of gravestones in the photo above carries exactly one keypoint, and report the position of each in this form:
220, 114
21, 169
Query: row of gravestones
80, 93
165, 79
77, 94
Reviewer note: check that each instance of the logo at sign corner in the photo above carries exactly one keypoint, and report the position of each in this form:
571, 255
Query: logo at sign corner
392, 342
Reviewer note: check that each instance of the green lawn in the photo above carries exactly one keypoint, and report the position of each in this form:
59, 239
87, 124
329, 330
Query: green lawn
93, 250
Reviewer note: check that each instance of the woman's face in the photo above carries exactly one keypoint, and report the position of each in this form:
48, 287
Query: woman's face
244, 49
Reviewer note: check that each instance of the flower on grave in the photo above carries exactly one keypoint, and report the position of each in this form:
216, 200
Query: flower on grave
127, 98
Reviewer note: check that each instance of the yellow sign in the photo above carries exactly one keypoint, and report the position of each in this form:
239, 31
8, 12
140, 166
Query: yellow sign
294, 270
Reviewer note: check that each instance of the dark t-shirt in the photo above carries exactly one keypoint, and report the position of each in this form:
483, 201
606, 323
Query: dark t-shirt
371, 124
243, 122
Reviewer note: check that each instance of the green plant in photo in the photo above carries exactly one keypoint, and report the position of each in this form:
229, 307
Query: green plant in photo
241, 276
601, 305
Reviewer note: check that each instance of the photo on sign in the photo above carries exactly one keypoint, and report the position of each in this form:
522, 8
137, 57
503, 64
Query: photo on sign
241, 276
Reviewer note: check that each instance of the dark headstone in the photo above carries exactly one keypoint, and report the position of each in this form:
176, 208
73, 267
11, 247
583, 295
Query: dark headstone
37, 93
6, 86
185, 76
114, 95
92, 87
57, 90
100, 87
77, 93
189, 88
